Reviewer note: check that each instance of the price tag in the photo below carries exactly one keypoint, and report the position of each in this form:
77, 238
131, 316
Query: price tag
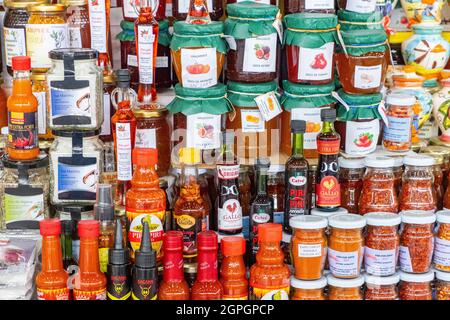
268, 105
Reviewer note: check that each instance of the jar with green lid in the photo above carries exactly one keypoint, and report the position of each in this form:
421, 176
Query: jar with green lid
24, 193
254, 51
358, 6
304, 102
310, 42
359, 123
255, 137
78, 23
349, 20
198, 53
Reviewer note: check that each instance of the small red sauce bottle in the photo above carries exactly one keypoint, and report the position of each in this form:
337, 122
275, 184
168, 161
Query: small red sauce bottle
232, 270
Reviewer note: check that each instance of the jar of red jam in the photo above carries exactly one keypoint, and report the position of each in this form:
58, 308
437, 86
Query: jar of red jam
304, 102
349, 20
310, 43
180, 9
359, 6
381, 288
351, 172
362, 60
316, 6
255, 56
416, 286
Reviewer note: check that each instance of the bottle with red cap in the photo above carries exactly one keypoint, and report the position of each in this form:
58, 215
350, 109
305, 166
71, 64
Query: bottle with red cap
90, 282
207, 285
51, 282
22, 143
269, 276
145, 200
232, 270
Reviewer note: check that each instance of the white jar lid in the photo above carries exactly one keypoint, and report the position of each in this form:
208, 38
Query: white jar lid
383, 219
398, 161
418, 160
345, 283
347, 221
399, 99
379, 161
417, 277
443, 216
418, 217
308, 222
310, 284
327, 214
351, 163
382, 281
441, 275
286, 237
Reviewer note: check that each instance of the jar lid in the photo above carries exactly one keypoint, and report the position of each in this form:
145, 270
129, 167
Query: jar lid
311, 21
436, 150
364, 100
308, 285
251, 88
398, 160
286, 237
438, 159
383, 219
398, 99
308, 222
374, 161
441, 275
364, 37
443, 216
357, 163
46, 7
418, 160
69, 134
252, 9
40, 162
150, 113
17, 4
214, 28
307, 89
418, 217
382, 281
328, 214
69, 3
73, 54
345, 283
351, 16
276, 168
347, 221
417, 277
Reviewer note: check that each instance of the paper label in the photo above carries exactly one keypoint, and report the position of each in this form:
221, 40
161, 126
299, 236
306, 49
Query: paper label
230, 216
162, 62
155, 224
260, 54
69, 106
97, 20
361, 6
203, 131
252, 121
269, 294
23, 129
106, 126
132, 60
319, 4
316, 64
328, 192
89, 295
380, 262
405, 259
343, 264
199, 67
77, 179
313, 124
14, 43
441, 252
228, 172
309, 250
75, 37
183, 6
54, 294
328, 147
23, 207
145, 138
145, 38
42, 112
367, 77
398, 129
131, 9
190, 227
268, 105
278, 217
123, 140
361, 137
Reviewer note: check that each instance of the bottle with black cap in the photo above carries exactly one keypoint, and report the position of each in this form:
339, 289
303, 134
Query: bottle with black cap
67, 227
104, 212
145, 273
296, 177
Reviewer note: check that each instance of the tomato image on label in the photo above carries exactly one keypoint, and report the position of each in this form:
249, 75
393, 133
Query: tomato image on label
319, 62
364, 140
198, 68
262, 52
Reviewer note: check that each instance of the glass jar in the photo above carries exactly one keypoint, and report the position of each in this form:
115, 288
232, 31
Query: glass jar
418, 184
24, 190
304, 102
445, 153
74, 212
438, 180
46, 30
346, 245
75, 90
351, 172
416, 241
349, 20
109, 84
309, 246
254, 59
441, 257
359, 6
382, 243
316, 6
252, 133
442, 285
345, 289
128, 56
398, 173
362, 60
381, 288
39, 88
275, 190
78, 23
180, 9
153, 131
309, 41
75, 167
416, 286
378, 192
308, 290
199, 61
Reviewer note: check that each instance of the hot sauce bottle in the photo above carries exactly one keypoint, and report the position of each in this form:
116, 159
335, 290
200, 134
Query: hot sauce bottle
91, 282
207, 285
328, 191
296, 177
51, 282
173, 286
269, 276
198, 12
232, 270
22, 143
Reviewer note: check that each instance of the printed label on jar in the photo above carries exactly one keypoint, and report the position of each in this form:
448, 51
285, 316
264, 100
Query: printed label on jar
361, 137
316, 64
77, 182
145, 138
268, 105
145, 38
132, 60
313, 124
183, 6
397, 130
123, 140
269, 294
405, 259
53, 294
319, 4
131, 9
328, 147
441, 252
343, 264
14, 43
89, 295
367, 77
309, 250
199, 67
228, 172
22, 205
230, 216
361, 6
162, 62
97, 20
106, 126
190, 228
23, 130
328, 192
260, 54
252, 121
155, 225
380, 262
75, 37
42, 112
203, 131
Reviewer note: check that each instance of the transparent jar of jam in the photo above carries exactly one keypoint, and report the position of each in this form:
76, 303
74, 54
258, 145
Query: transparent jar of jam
316, 6
78, 23
349, 20
180, 9
381, 288
351, 173
416, 286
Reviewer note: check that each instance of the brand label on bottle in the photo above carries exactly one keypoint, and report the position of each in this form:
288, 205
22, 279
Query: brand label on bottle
268, 105
309, 250
23, 204
199, 67
319, 4
281, 293
203, 131
131, 9
380, 262
145, 285
228, 172
313, 124
42, 112
252, 121
405, 259
89, 295
14, 43
344, 264
118, 289
230, 216
328, 147
259, 215
183, 6
145, 38
367, 77
316, 64
77, 182
53, 294
260, 54
162, 62
75, 37
361, 137
328, 192
156, 225
441, 252
190, 228
106, 126
123, 141
23, 130
297, 192
397, 130
132, 60
97, 20
48, 36
145, 138
103, 259
366, 6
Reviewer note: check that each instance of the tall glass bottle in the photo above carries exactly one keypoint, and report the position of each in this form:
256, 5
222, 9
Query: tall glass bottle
198, 12
296, 177
104, 213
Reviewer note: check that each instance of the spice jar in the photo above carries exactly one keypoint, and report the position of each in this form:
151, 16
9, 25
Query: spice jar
345, 289
378, 192
358, 122
180, 9
418, 184
351, 173
153, 131
346, 245
438, 180
441, 257
75, 90
304, 102
317, 6
75, 167
442, 285
24, 190
398, 173
416, 241
445, 153
359, 6
253, 134
362, 60
198, 53
308, 290
128, 56
255, 56
381, 288
309, 246
46, 30
275, 190
416, 286
382, 243
39, 88
309, 40
349, 20
78, 23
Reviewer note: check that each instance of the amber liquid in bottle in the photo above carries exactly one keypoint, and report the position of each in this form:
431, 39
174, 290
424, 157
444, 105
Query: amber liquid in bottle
198, 12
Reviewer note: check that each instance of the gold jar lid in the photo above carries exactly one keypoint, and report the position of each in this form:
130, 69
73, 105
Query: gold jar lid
149, 113
69, 3
190, 267
437, 150
15, 4
46, 7
38, 77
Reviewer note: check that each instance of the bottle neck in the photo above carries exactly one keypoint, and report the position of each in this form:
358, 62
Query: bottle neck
261, 180
21, 83
123, 95
51, 254
173, 265
297, 144
269, 253
145, 176
328, 127
207, 265
66, 242
189, 174
89, 261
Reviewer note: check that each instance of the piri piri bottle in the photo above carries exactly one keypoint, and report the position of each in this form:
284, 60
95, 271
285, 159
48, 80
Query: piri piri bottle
51, 282
232, 270
198, 12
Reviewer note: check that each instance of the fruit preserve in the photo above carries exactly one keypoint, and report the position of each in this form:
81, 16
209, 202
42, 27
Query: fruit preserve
360, 21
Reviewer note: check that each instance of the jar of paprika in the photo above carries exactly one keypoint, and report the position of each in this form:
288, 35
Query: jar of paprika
345, 289
381, 288
416, 286
308, 290
441, 257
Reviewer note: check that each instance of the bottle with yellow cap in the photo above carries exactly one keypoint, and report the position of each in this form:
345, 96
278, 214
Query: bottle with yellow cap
190, 214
